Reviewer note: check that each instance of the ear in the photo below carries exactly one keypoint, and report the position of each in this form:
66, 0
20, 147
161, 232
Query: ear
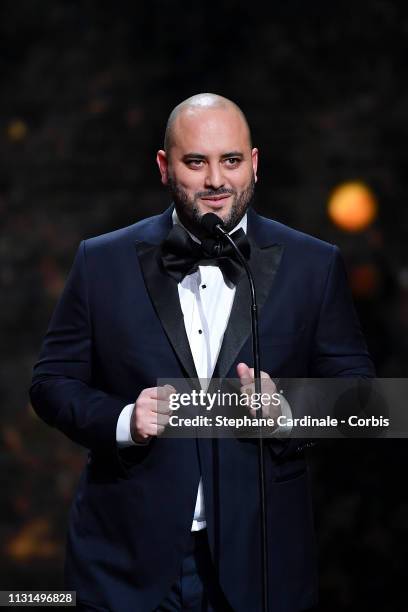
162, 162
254, 156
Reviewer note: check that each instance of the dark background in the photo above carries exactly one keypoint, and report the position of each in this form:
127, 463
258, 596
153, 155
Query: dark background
85, 91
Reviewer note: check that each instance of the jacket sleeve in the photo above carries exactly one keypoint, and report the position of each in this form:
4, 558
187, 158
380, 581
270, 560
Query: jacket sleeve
338, 350
339, 347
61, 391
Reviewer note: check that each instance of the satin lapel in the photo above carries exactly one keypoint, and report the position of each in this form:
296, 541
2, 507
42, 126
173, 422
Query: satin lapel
165, 298
264, 263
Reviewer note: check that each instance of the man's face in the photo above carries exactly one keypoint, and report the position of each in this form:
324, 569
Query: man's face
210, 166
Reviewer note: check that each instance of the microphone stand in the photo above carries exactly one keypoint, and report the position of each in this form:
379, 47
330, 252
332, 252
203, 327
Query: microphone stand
257, 380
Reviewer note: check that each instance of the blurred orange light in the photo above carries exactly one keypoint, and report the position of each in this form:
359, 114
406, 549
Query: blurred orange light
17, 130
33, 541
364, 280
352, 206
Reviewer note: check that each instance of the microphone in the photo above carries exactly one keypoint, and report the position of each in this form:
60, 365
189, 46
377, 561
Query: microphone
214, 226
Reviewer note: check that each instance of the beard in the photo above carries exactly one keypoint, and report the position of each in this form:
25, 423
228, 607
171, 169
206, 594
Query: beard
190, 215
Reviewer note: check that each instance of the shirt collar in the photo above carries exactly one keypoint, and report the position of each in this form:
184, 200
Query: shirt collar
241, 225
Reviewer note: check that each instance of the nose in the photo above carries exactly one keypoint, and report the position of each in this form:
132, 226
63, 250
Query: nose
214, 178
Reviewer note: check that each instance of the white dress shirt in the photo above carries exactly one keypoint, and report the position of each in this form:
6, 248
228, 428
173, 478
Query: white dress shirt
206, 302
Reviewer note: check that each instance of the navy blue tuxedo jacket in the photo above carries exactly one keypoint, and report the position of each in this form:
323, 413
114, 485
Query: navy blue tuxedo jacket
117, 328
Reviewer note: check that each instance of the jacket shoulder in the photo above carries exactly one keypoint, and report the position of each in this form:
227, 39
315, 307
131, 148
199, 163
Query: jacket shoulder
122, 236
295, 239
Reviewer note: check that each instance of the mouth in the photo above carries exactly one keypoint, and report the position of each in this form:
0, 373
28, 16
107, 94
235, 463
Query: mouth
216, 201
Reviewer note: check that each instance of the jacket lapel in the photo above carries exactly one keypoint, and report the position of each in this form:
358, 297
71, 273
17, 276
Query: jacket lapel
264, 262
163, 291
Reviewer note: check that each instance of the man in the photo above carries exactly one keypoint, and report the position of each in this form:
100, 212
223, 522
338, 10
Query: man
173, 524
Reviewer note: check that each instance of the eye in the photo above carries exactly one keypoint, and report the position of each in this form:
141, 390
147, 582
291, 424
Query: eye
231, 162
195, 163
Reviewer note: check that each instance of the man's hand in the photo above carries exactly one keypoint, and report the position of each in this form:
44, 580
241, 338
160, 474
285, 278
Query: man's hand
270, 407
151, 413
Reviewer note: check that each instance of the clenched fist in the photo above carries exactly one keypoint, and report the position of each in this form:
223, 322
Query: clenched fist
151, 413
270, 407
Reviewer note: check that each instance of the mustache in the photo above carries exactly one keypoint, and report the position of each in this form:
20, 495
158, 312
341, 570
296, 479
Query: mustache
213, 193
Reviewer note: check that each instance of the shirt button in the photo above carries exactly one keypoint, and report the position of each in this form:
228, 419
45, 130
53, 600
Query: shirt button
200, 331
203, 286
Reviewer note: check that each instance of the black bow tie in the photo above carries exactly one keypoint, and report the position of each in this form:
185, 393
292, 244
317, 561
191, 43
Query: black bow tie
181, 255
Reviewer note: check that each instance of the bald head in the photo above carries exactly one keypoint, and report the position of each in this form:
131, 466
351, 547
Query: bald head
195, 105
208, 163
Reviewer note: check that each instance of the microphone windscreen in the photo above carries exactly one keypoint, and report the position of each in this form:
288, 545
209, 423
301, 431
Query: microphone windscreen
209, 221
